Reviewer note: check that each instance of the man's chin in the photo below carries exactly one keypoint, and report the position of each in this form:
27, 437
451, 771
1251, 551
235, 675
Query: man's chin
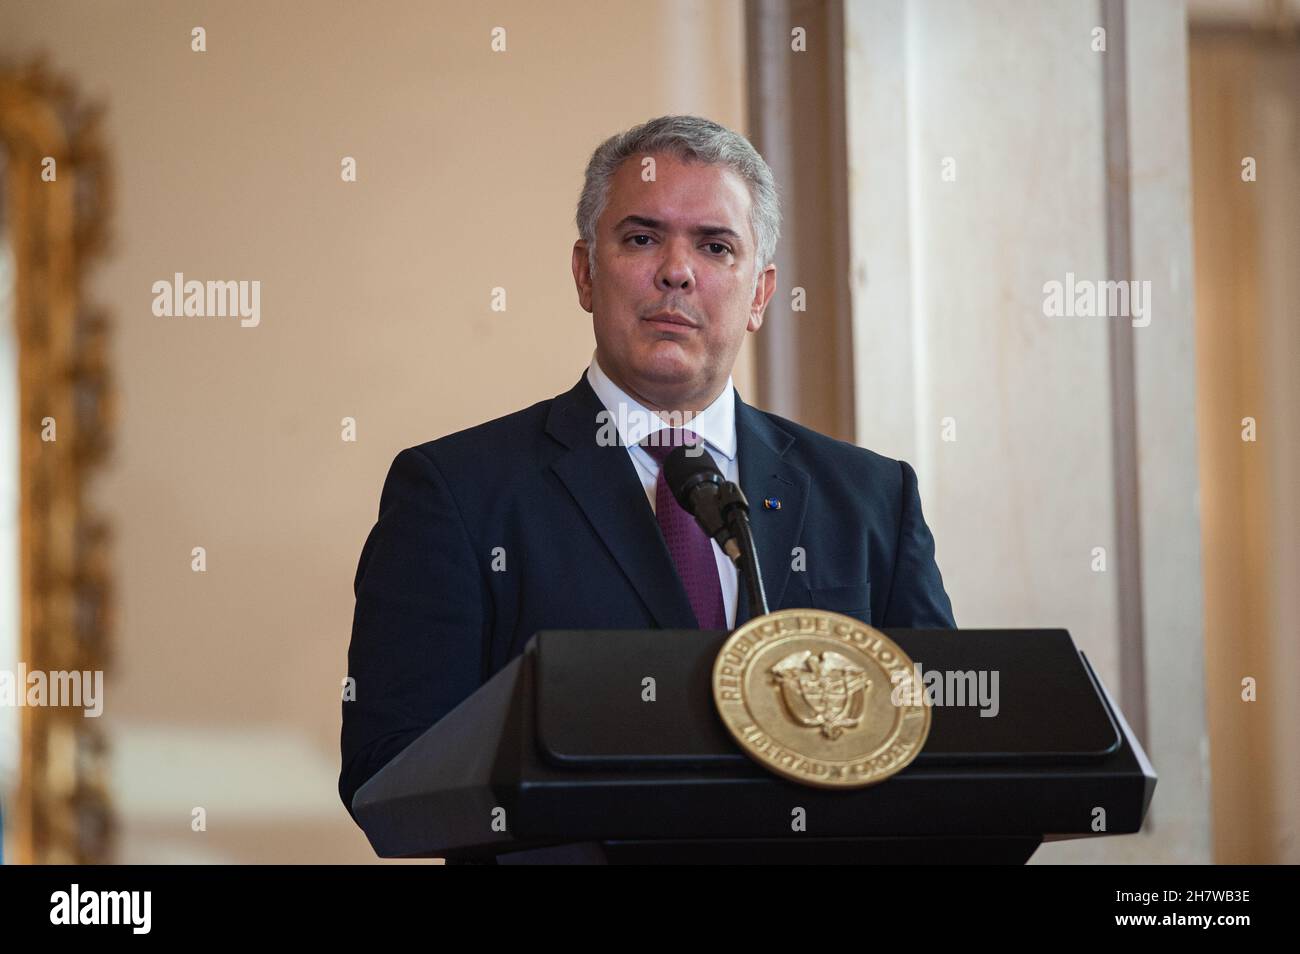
668, 365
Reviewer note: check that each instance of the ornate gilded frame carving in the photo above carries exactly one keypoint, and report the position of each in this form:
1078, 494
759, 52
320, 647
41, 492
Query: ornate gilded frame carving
61, 813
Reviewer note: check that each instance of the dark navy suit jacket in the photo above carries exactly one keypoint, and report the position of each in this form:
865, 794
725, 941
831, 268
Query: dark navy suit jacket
527, 523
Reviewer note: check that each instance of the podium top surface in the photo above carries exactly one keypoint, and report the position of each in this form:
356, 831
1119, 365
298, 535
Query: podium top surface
1017, 696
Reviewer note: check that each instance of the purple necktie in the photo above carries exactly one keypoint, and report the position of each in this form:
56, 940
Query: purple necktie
690, 547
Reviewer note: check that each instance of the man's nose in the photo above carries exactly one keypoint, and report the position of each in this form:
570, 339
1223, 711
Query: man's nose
675, 271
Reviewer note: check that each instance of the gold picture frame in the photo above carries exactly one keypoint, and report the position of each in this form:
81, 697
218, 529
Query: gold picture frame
57, 200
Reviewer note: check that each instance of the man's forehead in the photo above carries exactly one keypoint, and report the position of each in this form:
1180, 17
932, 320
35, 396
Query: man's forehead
721, 199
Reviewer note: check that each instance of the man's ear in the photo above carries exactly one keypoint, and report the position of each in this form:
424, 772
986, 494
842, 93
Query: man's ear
763, 290
582, 274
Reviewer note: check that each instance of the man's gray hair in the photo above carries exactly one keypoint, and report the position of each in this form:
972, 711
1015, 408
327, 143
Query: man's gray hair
689, 138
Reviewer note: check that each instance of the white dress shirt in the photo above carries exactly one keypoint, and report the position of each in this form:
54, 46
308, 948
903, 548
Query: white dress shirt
716, 424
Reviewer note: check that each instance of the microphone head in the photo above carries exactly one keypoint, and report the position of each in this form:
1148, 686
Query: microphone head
685, 469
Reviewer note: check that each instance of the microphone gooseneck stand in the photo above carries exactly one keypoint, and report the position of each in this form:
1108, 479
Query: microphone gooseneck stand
735, 510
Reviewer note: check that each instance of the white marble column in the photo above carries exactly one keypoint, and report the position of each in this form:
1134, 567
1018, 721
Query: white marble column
978, 173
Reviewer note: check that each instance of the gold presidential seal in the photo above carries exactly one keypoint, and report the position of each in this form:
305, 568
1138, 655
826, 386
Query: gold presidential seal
820, 698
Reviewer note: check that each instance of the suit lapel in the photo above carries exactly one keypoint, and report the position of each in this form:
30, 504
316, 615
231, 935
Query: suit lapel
764, 472
604, 483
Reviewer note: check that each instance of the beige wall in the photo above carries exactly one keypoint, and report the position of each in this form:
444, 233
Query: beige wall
375, 305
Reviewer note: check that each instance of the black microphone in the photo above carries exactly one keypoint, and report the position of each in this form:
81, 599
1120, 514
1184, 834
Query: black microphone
721, 510
694, 479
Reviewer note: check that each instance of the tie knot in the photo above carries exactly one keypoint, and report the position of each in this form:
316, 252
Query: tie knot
662, 442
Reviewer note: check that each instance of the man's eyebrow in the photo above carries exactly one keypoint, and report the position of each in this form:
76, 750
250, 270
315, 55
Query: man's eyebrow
649, 223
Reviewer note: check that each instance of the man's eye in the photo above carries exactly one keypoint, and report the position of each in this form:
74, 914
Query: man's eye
723, 248
633, 238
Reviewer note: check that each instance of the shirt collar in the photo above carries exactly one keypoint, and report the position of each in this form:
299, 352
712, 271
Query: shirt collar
716, 423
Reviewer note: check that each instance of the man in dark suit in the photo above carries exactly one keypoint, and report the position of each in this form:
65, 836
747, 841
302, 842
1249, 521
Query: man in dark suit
557, 516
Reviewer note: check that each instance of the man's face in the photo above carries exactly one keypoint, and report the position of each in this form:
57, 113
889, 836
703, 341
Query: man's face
683, 244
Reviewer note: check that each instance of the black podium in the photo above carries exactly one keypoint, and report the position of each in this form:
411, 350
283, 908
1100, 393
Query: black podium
605, 747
